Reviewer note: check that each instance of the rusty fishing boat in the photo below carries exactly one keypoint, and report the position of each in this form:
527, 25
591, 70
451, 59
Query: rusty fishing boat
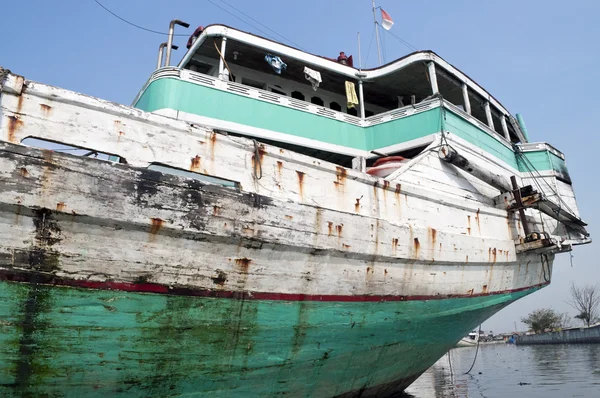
262, 221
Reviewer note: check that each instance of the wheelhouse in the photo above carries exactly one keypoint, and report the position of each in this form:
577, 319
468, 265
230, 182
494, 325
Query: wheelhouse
230, 85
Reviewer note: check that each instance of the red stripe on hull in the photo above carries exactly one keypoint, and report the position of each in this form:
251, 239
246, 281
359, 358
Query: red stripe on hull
40, 278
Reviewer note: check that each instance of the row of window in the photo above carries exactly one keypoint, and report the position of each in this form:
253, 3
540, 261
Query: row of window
332, 105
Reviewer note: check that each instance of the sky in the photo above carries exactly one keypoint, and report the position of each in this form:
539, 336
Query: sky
539, 58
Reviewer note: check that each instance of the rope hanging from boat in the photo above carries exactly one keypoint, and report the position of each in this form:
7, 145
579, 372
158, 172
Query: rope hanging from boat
231, 77
476, 351
546, 275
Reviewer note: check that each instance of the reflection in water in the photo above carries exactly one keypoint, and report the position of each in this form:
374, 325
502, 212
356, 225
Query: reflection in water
513, 371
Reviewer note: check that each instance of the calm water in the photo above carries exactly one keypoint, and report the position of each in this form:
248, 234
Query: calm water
513, 371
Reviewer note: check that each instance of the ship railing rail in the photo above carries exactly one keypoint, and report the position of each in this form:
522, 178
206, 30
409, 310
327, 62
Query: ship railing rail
283, 100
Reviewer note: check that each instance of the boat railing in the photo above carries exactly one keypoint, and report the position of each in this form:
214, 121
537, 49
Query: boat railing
283, 100
474, 121
256, 93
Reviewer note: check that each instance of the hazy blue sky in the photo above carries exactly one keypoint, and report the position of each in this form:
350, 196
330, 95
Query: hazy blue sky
539, 58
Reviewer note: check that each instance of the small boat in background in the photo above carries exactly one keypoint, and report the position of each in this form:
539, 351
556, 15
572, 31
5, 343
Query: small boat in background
469, 340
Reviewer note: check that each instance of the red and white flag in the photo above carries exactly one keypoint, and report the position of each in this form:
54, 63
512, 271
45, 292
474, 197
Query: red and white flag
386, 20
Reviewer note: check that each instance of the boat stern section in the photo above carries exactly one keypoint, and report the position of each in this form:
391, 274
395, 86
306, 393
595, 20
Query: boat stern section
543, 167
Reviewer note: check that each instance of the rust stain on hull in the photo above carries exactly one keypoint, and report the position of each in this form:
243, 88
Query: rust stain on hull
417, 246
433, 236
60, 206
156, 226
243, 264
196, 163
14, 124
46, 109
213, 141
340, 175
397, 197
300, 184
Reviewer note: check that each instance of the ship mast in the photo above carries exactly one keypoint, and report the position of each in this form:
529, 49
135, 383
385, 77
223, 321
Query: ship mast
376, 33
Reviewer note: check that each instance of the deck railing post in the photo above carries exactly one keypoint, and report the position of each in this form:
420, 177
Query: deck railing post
504, 127
433, 78
465, 92
361, 99
488, 114
222, 58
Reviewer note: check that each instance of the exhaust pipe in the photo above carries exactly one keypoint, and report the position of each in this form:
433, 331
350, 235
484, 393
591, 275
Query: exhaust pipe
170, 40
160, 53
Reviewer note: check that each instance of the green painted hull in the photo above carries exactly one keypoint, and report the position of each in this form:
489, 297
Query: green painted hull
62, 341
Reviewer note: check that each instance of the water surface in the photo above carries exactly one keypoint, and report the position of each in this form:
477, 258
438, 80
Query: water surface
503, 370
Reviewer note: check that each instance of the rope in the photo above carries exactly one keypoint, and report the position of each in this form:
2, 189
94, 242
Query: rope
571, 258
476, 351
260, 23
546, 276
370, 43
231, 78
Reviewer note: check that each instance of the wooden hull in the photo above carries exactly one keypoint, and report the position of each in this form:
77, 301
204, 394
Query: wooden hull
292, 276
62, 341
95, 303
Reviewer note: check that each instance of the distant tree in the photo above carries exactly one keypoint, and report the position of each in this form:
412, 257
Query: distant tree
542, 319
586, 300
564, 320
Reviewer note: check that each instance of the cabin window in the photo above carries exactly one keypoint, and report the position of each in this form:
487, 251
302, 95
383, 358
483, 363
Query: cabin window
253, 83
57, 146
298, 95
368, 113
352, 111
201, 67
497, 122
513, 134
317, 101
277, 90
337, 158
477, 107
449, 87
335, 106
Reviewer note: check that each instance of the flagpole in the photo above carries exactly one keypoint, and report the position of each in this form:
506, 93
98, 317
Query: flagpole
376, 34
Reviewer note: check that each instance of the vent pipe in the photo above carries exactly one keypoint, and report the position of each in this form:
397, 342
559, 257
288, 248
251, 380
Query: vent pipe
159, 62
170, 40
